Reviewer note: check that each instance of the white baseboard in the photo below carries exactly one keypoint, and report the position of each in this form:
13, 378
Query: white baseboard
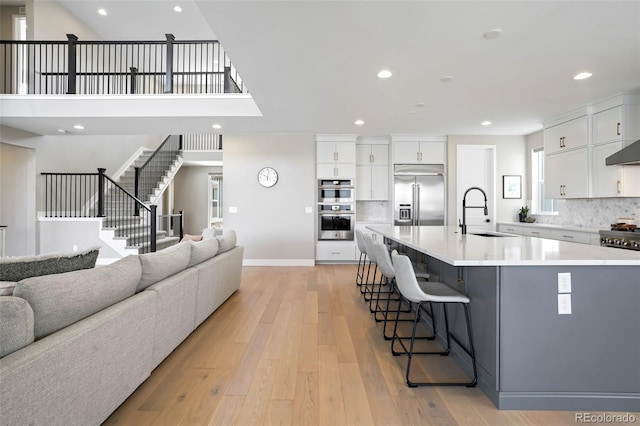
278, 262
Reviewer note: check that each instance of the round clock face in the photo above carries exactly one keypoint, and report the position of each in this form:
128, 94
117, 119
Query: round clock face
267, 177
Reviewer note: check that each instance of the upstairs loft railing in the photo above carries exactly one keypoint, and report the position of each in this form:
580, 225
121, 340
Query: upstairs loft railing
116, 67
84, 195
203, 142
155, 168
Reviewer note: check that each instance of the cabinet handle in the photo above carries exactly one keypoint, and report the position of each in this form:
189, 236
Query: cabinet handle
618, 186
371, 158
335, 156
568, 236
535, 232
417, 156
618, 129
420, 156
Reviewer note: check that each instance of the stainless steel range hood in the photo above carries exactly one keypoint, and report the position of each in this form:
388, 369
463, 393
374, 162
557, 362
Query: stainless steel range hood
629, 155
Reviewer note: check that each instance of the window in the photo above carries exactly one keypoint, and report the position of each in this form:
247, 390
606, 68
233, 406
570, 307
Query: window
539, 204
215, 200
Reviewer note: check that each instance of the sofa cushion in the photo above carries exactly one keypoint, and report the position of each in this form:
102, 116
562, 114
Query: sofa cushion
20, 267
16, 324
203, 250
226, 241
6, 288
163, 263
61, 299
208, 233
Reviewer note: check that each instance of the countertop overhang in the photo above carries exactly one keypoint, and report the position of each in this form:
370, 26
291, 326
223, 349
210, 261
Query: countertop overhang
449, 245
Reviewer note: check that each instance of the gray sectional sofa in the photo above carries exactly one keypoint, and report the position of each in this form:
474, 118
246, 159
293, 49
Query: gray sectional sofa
75, 345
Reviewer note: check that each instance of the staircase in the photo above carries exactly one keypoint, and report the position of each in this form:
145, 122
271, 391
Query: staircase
120, 234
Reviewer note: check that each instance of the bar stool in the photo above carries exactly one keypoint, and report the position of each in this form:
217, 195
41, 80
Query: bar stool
386, 267
431, 292
363, 257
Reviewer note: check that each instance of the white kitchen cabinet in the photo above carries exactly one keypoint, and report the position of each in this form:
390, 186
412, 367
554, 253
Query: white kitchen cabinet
419, 152
566, 136
335, 152
372, 172
607, 125
335, 159
567, 174
612, 181
509, 229
571, 236
342, 251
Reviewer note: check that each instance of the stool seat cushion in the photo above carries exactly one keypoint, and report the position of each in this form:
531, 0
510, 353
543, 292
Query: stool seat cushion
440, 292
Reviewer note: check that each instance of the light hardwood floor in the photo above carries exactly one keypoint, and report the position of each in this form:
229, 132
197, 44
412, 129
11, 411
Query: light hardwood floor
298, 346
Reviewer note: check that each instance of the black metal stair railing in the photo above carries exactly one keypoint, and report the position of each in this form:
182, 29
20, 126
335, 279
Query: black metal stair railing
152, 172
116, 67
74, 195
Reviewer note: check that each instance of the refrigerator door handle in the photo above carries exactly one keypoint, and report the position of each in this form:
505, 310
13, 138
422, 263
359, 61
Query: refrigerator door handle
413, 203
417, 215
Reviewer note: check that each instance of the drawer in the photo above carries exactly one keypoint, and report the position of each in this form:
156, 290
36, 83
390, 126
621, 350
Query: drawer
510, 229
535, 232
344, 251
572, 236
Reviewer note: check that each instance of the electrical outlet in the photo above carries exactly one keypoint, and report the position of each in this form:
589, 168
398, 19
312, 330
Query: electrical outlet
564, 304
564, 282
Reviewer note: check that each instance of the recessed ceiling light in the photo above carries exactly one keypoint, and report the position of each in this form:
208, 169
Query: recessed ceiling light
446, 78
78, 127
359, 122
384, 74
62, 131
486, 123
582, 76
177, 9
102, 12
491, 34
217, 126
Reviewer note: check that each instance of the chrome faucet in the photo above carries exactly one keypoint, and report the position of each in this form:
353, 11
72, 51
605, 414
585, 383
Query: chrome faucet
463, 225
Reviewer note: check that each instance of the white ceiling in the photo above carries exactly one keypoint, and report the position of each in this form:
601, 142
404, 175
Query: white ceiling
311, 65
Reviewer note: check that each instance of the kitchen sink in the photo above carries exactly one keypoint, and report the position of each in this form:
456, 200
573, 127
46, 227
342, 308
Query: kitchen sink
489, 234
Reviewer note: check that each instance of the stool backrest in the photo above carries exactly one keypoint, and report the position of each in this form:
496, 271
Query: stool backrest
368, 242
360, 241
383, 259
406, 279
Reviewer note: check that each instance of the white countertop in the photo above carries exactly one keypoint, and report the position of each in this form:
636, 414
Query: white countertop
447, 244
552, 226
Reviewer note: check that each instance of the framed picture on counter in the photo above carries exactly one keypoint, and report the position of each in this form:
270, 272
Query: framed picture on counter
511, 186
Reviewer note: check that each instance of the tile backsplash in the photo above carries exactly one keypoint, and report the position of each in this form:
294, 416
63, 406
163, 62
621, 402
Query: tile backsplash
597, 213
373, 211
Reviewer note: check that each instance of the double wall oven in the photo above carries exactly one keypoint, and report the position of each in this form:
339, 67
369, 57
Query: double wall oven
336, 213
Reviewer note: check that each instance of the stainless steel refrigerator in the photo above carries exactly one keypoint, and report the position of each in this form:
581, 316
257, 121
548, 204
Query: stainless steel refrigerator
419, 194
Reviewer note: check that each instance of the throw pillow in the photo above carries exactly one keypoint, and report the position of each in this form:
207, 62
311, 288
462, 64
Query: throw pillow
59, 300
203, 250
6, 288
189, 237
16, 324
208, 233
20, 267
227, 241
163, 263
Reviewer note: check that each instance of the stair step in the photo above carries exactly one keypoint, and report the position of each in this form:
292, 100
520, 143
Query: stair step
141, 235
160, 244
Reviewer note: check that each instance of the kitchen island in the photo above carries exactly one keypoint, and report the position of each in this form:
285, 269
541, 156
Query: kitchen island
529, 356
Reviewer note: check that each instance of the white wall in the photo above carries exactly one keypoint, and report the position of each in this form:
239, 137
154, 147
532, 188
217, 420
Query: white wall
191, 195
17, 199
271, 223
510, 160
50, 21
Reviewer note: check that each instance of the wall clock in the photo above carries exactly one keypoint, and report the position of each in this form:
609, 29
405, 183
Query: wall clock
267, 176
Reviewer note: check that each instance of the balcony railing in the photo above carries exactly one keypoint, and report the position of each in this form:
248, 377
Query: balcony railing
116, 67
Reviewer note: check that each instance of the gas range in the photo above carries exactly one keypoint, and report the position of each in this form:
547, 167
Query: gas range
627, 239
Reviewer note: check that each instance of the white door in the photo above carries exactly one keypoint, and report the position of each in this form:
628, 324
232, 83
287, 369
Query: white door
476, 168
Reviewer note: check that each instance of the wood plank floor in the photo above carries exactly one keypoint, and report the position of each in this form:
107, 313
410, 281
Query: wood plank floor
298, 346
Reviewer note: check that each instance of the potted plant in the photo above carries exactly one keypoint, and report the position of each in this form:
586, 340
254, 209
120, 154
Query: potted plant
522, 213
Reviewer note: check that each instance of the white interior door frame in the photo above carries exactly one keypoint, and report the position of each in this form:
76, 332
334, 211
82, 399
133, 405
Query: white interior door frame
476, 166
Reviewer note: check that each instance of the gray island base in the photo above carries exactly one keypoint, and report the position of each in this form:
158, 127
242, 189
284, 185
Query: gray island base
530, 356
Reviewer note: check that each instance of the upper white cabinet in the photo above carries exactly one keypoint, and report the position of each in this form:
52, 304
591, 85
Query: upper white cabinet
568, 135
566, 174
419, 152
372, 172
336, 156
613, 128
